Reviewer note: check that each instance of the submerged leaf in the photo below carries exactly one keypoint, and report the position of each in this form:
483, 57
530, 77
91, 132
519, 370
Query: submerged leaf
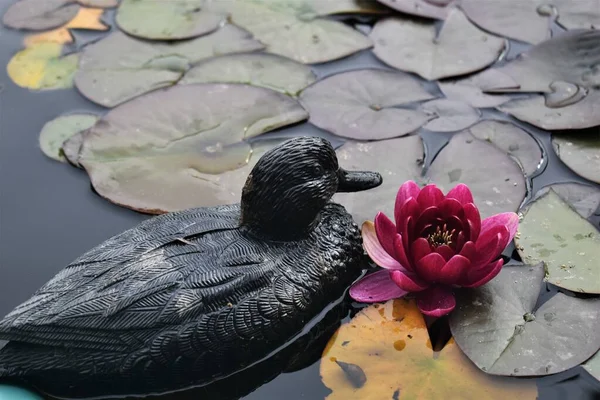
56, 132
361, 104
497, 182
512, 140
293, 29
42, 67
180, 147
414, 46
580, 153
258, 69
167, 20
119, 68
449, 115
397, 160
498, 328
390, 343
552, 232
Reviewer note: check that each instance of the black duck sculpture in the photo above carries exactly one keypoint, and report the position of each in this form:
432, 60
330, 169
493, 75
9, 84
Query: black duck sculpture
193, 296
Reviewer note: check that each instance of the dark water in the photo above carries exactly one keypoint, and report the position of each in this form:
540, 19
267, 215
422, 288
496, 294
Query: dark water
49, 216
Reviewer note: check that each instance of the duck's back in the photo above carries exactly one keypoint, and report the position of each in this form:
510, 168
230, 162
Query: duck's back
175, 301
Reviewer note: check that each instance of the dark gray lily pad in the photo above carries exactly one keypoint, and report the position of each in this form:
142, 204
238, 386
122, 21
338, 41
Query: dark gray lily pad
421, 8
580, 14
183, 146
362, 104
584, 199
593, 366
167, 20
581, 115
72, 146
258, 69
99, 3
449, 115
497, 182
498, 328
470, 90
414, 46
293, 29
39, 15
581, 153
512, 140
515, 19
570, 57
397, 160
119, 67
552, 232
55, 132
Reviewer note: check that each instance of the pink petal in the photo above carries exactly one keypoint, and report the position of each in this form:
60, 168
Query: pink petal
429, 196
449, 207
407, 281
468, 250
409, 209
401, 253
489, 246
483, 275
407, 190
454, 270
428, 216
445, 251
376, 287
420, 248
436, 301
509, 219
374, 248
429, 267
386, 232
407, 234
473, 218
462, 193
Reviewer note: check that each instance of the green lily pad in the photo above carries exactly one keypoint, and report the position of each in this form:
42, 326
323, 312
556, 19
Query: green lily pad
397, 160
449, 115
414, 46
581, 153
167, 20
55, 132
499, 329
593, 366
420, 8
497, 181
362, 104
119, 67
585, 199
295, 30
552, 232
258, 69
470, 90
183, 146
512, 140
570, 57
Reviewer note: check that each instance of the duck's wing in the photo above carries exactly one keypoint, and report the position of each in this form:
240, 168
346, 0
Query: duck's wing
125, 290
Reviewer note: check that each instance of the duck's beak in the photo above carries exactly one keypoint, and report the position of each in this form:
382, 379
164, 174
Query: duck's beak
355, 181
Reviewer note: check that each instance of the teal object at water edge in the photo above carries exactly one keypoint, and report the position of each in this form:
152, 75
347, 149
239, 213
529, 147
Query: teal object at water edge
8, 392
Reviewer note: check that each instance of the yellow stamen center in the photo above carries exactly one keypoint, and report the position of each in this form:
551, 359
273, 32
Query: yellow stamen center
441, 237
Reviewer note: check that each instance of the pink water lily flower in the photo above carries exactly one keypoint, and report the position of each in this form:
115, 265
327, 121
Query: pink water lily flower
438, 243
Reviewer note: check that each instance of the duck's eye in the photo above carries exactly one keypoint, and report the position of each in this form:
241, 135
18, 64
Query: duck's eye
317, 170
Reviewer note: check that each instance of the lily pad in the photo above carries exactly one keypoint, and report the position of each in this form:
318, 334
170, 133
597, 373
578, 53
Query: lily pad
119, 67
180, 147
389, 342
436, 9
414, 46
266, 70
362, 104
585, 199
499, 329
512, 140
580, 14
497, 182
470, 90
581, 153
449, 115
397, 160
581, 115
570, 57
293, 29
42, 66
593, 366
72, 146
55, 132
167, 20
515, 19
552, 232
39, 15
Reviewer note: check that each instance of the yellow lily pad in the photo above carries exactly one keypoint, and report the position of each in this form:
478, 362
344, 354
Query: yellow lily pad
42, 66
389, 346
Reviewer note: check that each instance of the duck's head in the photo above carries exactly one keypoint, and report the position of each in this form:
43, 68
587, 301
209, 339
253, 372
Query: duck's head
291, 183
